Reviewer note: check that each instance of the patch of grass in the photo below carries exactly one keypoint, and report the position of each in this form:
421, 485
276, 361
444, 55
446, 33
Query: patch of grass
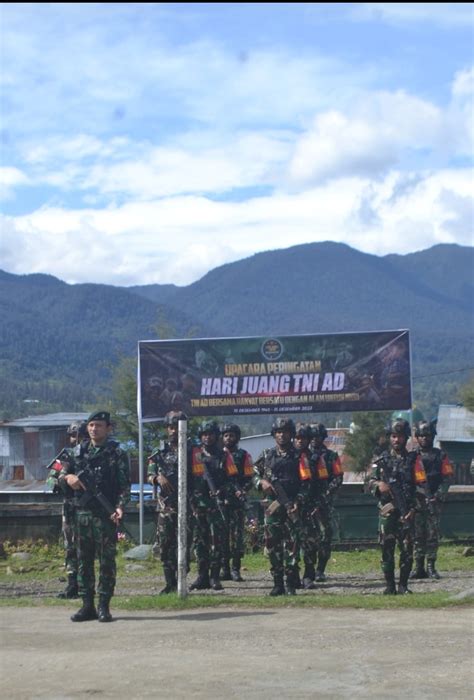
172, 602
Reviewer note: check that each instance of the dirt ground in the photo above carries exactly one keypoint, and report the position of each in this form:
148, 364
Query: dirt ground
238, 653
233, 652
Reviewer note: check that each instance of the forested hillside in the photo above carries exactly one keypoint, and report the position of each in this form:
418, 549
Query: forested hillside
59, 340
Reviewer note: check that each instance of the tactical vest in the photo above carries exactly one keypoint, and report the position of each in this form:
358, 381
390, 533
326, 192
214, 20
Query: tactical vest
214, 463
319, 474
102, 463
437, 467
285, 468
406, 469
242, 461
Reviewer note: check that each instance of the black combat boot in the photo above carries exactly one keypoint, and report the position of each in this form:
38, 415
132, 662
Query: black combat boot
296, 577
71, 590
403, 581
216, 585
87, 612
290, 583
235, 571
103, 610
308, 577
225, 572
170, 578
278, 587
390, 581
320, 575
419, 571
202, 582
431, 572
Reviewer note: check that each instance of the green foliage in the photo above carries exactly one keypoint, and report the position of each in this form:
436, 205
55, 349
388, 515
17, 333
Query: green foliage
59, 342
467, 394
365, 439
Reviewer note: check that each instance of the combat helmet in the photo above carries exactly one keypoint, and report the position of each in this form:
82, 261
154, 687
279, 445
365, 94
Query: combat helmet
231, 428
303, 431
399, 426
318, 430
209, 426
425, 429
78, 428
173, 418
283, 424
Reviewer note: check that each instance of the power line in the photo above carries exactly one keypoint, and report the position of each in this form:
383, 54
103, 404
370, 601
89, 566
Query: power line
437, 374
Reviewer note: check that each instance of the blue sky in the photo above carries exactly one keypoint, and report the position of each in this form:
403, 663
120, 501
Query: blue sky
157, 141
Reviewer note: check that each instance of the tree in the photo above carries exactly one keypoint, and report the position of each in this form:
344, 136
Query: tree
123, 401
467, 394
364, 439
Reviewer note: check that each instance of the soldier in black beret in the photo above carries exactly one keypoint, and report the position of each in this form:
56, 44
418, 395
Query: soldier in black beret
98, 473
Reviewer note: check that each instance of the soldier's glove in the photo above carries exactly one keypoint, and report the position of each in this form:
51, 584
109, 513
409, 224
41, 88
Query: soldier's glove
387, 509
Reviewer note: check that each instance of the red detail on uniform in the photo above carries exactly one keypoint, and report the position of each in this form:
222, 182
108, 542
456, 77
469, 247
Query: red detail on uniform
57, 466
321, 469
230, 467
198, 466
248, 465
447, 467
336, 466
305, 471
419, 471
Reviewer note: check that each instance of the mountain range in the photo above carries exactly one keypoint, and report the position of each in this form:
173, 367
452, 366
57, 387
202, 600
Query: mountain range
58, 341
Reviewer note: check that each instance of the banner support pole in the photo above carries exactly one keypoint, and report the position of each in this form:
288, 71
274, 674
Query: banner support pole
182, 508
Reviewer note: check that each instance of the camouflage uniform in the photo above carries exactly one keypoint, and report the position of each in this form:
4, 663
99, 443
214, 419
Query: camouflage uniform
96, 533
327, 515
233, 548
209, 516
315, 514
283, 527
76, 432
439, 474
67, 525
165, 463
405, 474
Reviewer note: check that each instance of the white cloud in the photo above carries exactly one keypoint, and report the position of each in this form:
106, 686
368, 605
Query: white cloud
179, 239
442, 13
10, 178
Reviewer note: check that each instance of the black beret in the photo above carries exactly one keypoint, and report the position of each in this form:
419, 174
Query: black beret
99, 415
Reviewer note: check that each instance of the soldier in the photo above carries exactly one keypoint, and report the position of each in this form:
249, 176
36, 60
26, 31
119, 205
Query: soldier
77, 431
284, 481
439, 475
233, 545
98, 473
213, 485
398, 478
327, 514
315, 510
163, 473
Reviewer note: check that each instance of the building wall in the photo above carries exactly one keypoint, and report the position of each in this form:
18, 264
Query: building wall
461, 455
24, 453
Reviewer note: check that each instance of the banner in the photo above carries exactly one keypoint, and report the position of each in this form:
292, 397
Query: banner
267, 375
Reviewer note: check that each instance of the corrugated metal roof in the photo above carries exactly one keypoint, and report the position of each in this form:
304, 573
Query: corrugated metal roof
47, 420
455, 424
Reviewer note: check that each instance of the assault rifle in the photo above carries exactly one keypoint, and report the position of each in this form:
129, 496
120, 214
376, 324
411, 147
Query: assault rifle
91, 494
61, 455
398, 496
282, 500
213, 491
154, 485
